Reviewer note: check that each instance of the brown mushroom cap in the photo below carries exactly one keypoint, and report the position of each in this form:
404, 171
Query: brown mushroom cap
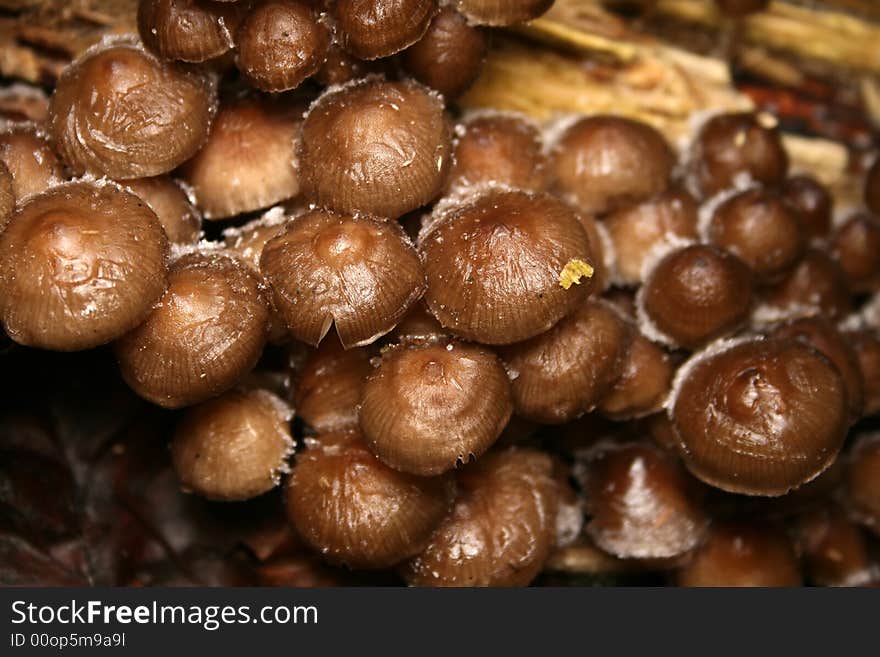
370, 29
189, 30
814, 203
866, 344
762, 229
23, 102
872, 188
502, 526
637, 229
856, 247
661, 431
861, 489
120, 112
355, 510
696, 294
7, 195
606, 162
564, 372
340, 67
642, 504
730, 145
281, 43
248, 162
181, 221
742, 554
502, 12
504, 149
31, 162
376, 147
824, 337
328, 390
417, 324
449, 56
759, 417
206, 332
506, 266
360, 274
247, 242
816, 284
430, 407
834, 549
80, 265
234, 447
643, 384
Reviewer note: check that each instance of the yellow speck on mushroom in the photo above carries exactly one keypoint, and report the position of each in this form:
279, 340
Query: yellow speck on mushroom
574, 270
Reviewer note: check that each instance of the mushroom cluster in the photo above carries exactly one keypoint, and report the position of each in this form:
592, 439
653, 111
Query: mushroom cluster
500, 340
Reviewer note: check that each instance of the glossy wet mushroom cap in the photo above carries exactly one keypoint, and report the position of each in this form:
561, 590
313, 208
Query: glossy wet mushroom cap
743, 554
760, 227
824, 337
503, 149
356, 511
809, 496
376, 147
29, 157
360, 275
606, 162
861, 485
119, 111
565, 372
80, 265
428, 408
816, 284
280, 44
872, 188
449, 56
248, 161
506, 266
637, 229
179, 218
643, 384
759, 417
856, 247
642, 504
696, 294
732, 145
234, 447
812, 199
189, 30
328, 389
204, 335
501, 529
370, 29
502, 12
